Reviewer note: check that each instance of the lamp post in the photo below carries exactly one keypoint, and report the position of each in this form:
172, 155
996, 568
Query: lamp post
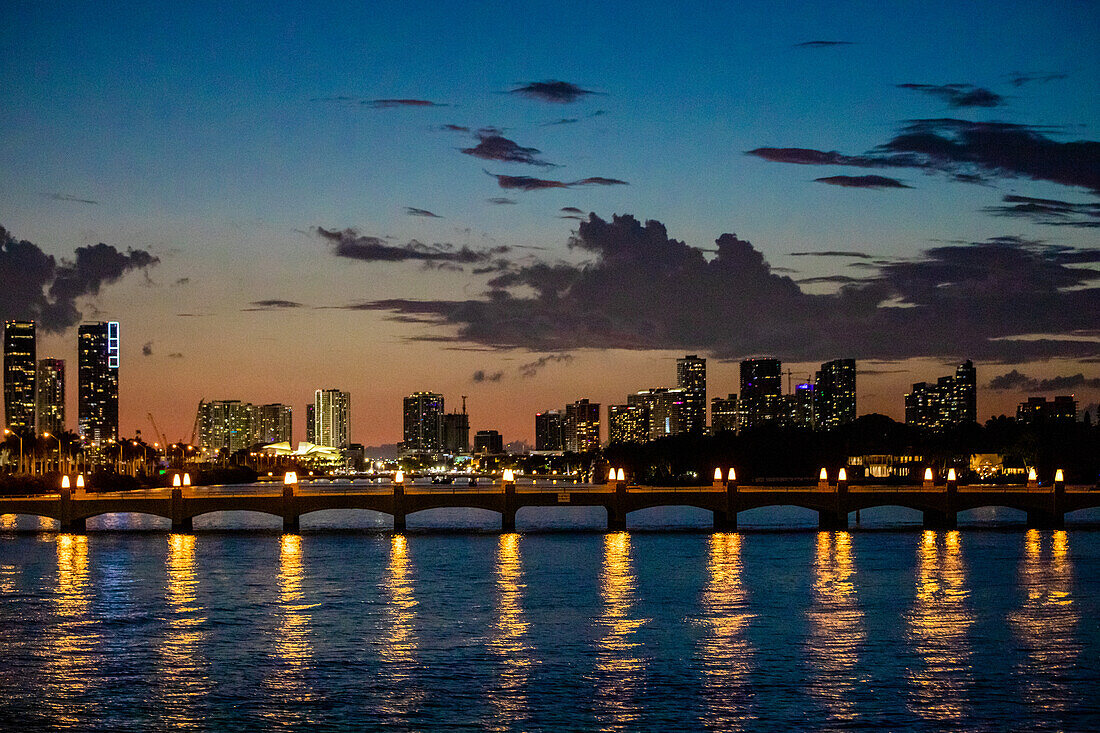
8, 432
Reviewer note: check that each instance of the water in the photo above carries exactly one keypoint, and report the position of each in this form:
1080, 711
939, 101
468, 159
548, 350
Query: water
978, 629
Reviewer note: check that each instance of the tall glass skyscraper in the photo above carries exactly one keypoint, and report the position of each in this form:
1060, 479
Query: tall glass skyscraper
19, 375
97, 381
50, 396
332, 418
835, 394
423, 417
691, 376
761, 392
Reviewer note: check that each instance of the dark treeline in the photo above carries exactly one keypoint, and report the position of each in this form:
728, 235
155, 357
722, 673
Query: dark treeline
797, 453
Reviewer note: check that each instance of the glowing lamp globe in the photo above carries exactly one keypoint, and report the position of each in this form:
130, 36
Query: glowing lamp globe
823, 476
176, 481
291, 477
64, 482
621, 476
1032, 476
928, 474
842, 476
508, 475
951, 475
717, 474
80, 481
186, 479
399, 477
1059, 476
732, 475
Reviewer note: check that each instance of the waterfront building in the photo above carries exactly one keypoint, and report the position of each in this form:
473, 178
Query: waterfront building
961, 397
229, 425
664, 409
488, 441
456, 432
550, 431
1040, 411
20, 367
627, 423
276, 423
801, 405
332, 418
950, 402
761, 392
724, 414
49, 400
97, 381
582, 426
835, 394
311, 423
423, 417
691, 377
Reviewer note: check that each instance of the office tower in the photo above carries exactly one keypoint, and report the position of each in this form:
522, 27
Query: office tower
961, 399
922, 406
664, 410
332, 418
691, 376
50, 396
802, 406
97, 381
423, 423
627, 423
582, 426
275, 423
951, 401
1040, 411
311, 423
456, 433
724, 414
761, 392
550, 431
19, 375
488, 441
835, 394
229, 425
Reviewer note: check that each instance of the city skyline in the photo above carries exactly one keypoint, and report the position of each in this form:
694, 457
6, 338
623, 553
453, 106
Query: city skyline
312, 207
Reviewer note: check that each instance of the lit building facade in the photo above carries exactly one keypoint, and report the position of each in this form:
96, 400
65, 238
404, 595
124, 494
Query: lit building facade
550, 431
49, 405
664, 410
97, 381
761, 392
802, 406
332, 418
627, 423
229, 425
835, 394
276, 423
582, 426
488, 441
724, 414
20, 370
1041, 411
691, 377
950, 402
311, 423
423, 417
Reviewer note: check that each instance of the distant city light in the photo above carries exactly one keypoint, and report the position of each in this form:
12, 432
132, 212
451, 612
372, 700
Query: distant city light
290, 478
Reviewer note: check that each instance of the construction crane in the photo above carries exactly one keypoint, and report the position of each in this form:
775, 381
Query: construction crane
157, 434
198, 416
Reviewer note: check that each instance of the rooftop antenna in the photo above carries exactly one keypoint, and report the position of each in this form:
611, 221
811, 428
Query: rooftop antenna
463, 404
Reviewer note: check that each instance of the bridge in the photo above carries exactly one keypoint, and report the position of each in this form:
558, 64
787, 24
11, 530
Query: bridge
1045, 506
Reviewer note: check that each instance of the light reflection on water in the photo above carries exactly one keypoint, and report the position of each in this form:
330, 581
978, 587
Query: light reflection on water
836, 633
399, 647
725, 651
71, 651
291, 644
619, 667
509, 639
183, 679
939, 631
1046, 623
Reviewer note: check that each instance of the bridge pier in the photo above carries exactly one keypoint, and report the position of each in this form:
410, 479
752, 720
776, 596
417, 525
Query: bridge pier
74, 526
183, 525
616, 520
1038, 519
398, 507
508, 511
832, 519
290, 509
69, 523
725, 521
180, 523
940, 520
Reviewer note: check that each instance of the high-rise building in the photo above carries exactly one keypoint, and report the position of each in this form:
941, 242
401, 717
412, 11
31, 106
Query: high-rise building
835, 394
627, 423
311, 423
229, 425
691, 376
724, 414
488, 441
456, 433
802, 406
97, 381
962, 396
1040, 411
423, 423
761, 392
20, 368
332, 418
276, 423
550, 431
951, 401
664, 410
582, 426
50, 396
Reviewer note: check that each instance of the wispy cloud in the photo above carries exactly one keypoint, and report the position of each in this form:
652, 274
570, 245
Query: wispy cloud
531, 368
822, 44
878, 182
66, 197
500, 201
1019, 79
833, 253
492, 146
482, 376
147, 348
1052, 212
350, 244
413, 211
560, 92
958, 95
271, 305
1015, 381
528, 183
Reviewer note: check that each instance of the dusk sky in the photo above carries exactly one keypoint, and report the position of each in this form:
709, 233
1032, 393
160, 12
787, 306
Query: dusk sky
534, 203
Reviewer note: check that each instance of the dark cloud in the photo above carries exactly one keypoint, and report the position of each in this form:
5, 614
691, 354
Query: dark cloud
1048, 211
182, 281
454, 128
561, 92
272, 305
532, 368
878, 182
960, 147
67, 197
495, 147
830, 279
351, 244
147, 349
1018, 79
1015, 381
175, 355
392, 103
413, 211
562, 121
822, 44
958, 95
482, 376
1007, 299
526, 183
500, 201
570, 210
36, 286
832, 253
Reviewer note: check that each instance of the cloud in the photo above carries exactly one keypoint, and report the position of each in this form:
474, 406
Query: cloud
351, 244
413, 211
481, 376
500, 201
570, 210
394, 103
1015, 381
527, 183
147, 349
562, 121
822, 44
67, 197
599, 181
878, 182
454, 128
175, 355
271, 305
1006, 299
561, 92
494, 147
1018, 79
181, 281
1048, 211
532, 368
38, 287
958, 95
832, 253
960, 147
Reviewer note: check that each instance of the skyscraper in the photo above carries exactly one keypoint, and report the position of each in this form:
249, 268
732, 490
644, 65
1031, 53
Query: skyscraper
19, 374
802, 406
691, 376
276, 423
962, 397
332, 418
664, 410
423, 414
582, 426
488, 441
761, 392
724, 414
227, 425
627, 423
550, 431
97, 381
311, 423
456, 433
951, 401
50, 396
835, 394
